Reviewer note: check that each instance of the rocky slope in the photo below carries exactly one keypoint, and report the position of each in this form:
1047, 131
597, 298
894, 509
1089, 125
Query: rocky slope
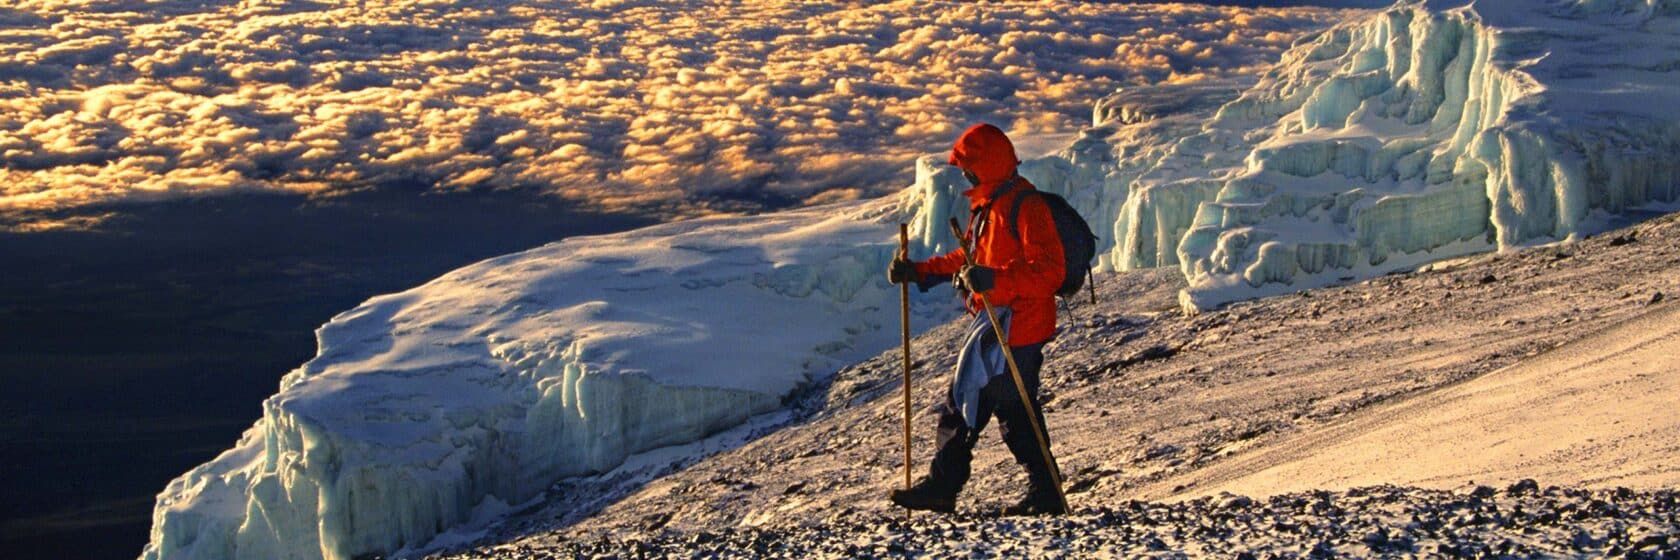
1140, 398
1385, 521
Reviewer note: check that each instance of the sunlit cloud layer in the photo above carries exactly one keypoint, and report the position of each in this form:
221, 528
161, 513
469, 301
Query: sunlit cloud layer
647, 106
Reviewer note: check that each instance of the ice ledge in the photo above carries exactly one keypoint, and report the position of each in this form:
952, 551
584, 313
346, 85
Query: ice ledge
490, 383
1415, 132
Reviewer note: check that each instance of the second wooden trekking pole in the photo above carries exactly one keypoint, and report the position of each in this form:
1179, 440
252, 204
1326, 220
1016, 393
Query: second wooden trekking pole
1014, 371
904, 319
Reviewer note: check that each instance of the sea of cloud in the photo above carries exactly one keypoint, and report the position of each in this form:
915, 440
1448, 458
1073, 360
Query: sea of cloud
673, 107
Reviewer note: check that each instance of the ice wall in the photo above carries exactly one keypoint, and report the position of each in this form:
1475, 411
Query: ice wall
1422, 133
488, 384
1425, 131
1138, 172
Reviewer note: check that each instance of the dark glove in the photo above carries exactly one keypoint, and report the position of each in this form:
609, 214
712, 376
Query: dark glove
901, 271
976, 278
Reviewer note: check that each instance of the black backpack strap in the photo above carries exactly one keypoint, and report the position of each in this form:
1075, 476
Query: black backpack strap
1006, 187
985, 212
1015, 214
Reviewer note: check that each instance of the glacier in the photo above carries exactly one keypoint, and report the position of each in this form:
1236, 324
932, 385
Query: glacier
1430, 130
1425, 131
486, 385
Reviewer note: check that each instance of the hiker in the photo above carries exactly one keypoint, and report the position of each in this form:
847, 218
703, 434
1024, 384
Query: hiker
1019, 269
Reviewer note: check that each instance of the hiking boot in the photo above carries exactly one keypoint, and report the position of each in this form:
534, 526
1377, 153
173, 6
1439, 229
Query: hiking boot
925, 496
1037, 502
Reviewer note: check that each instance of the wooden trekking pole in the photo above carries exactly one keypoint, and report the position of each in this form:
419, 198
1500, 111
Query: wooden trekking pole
1015, 371
904, 319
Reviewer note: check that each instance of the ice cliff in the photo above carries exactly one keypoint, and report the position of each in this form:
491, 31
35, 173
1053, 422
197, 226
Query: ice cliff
1425, 131
479, 389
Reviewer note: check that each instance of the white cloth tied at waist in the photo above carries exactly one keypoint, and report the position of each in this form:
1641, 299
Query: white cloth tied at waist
981, 360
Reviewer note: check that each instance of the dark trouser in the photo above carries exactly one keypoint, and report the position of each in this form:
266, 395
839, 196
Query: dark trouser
1000, 397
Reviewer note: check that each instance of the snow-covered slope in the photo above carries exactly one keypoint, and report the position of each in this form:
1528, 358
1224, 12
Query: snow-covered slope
1597, 412
482, 387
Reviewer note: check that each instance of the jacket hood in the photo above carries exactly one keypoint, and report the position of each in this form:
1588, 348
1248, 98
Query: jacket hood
984, 150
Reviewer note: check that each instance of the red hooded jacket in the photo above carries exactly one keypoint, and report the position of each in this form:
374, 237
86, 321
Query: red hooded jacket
1029, 269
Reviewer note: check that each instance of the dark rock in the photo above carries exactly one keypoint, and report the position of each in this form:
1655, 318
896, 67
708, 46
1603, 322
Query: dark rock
656, 521
1156, 352
1521, 487
1650, 540
1235, 502
1162, 450
1582, 540
1489, 279
1377, 539
1656, 298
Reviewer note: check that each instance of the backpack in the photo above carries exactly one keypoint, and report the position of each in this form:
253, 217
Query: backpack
1079, 244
